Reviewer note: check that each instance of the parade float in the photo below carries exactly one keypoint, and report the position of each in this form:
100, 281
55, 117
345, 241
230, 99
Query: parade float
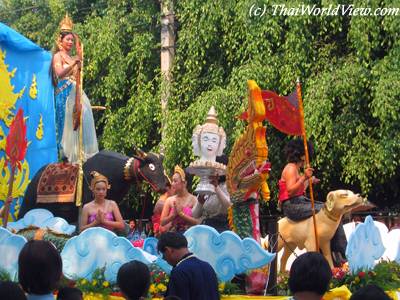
92, 258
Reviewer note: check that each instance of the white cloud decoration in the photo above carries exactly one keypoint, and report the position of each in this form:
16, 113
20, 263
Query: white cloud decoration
226, 252
98, 247
42, 218
10, 247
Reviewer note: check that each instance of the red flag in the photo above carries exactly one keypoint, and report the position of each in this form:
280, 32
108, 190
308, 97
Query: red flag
282, 112
16, 142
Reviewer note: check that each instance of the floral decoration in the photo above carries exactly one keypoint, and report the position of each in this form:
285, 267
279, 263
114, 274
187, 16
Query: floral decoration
97, 285
385, 274
159, 281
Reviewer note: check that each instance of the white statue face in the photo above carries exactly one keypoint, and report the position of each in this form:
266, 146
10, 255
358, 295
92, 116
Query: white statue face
209, 143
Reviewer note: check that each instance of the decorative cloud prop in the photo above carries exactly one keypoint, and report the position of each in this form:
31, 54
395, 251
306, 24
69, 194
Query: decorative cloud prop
364, 246
226, 252
392, 245
150, 246
10, 247
42, 218
98, 247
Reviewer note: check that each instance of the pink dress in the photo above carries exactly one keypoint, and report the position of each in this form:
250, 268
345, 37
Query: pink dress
178, 224
109, 216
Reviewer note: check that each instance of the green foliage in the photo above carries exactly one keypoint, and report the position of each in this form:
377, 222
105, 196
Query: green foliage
282, 284
229, 288
4, 275
349, 67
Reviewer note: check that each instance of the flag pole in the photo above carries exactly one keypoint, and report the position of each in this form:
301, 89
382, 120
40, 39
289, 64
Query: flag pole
9, 193
304, 135
79, 185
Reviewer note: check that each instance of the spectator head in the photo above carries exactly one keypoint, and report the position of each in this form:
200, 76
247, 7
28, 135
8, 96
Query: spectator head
39, 267
133, 279
370, 292
11, 290
69, 293
310, 272
132, 224
173, 246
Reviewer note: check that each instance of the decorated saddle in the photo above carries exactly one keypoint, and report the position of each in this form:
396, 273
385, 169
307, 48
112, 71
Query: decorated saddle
57, 183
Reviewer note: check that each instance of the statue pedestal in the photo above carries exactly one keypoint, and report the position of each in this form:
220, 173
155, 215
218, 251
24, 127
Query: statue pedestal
205, 170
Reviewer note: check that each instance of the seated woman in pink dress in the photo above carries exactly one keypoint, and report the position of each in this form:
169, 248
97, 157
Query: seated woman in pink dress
101, 211
177, 210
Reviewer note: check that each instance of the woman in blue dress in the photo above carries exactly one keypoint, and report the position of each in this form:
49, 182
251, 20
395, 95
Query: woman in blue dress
65, 70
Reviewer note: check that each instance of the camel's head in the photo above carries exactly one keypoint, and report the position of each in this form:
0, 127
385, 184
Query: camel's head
340, 202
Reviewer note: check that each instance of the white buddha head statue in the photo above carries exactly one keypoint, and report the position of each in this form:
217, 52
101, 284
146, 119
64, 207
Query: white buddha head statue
209, 140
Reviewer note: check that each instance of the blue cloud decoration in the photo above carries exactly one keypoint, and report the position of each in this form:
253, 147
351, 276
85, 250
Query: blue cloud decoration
10, 247
364, 246
42, 218
98, 247
226, 252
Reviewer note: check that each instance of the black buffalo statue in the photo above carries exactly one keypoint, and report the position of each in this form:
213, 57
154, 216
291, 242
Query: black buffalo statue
121, 172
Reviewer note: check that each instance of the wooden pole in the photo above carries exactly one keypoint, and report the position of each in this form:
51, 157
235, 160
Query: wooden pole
167, 57
304, 135
9, 193
79, 184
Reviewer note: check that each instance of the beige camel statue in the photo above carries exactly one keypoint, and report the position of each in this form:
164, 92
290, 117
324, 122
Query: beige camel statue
301, 234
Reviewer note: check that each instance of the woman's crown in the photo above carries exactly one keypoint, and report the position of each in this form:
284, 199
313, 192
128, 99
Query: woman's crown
66, 24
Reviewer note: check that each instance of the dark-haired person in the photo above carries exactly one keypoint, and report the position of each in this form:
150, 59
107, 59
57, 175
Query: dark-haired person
69, 293
191, 278
292, 186
65, 69
309, 276
39, 269
133, 279
158, 208
370, 292
101, 212
11, 291
212, 210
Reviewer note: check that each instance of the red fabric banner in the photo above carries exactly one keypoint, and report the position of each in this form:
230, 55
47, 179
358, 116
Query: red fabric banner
282, 112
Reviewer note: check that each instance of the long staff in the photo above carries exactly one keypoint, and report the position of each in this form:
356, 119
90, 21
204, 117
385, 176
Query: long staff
77, 121
304, 135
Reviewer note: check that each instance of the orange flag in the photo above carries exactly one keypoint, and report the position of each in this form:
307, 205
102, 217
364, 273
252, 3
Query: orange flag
283, 112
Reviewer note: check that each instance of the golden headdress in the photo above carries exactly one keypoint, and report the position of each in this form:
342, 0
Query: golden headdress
96, 178
66, 24
180, 171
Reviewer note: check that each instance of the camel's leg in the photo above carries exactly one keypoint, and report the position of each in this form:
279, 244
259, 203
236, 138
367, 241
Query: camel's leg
280, 244
326, 251
285, 257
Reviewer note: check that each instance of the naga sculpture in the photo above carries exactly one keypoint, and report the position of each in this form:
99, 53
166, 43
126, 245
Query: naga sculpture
248, 169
